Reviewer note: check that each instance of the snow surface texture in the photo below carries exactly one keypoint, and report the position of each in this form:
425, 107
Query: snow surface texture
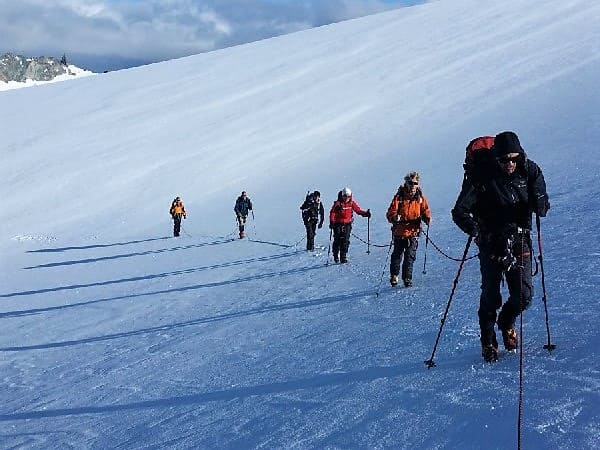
115, 335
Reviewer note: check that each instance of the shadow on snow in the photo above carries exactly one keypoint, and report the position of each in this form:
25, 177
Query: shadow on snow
313, 382
217, 318
132, 279
87, 247
128, 255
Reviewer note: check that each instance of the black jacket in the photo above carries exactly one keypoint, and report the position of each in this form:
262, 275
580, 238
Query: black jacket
496, 203
242, 206
312, 210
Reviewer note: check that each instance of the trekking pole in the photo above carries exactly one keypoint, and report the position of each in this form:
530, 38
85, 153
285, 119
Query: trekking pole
549, 346
329, 248
426, 244
384, 266
429, 362
368, 235
253, 223
184, 231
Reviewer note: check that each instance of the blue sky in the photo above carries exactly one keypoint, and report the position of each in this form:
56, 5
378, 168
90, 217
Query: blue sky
112, 34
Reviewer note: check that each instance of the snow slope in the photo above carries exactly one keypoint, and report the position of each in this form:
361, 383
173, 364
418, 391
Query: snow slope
116, 335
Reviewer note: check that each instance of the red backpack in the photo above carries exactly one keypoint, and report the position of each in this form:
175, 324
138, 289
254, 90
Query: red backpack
477, 155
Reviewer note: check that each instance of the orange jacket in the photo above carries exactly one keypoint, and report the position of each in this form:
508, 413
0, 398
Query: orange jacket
405, 213
177, 208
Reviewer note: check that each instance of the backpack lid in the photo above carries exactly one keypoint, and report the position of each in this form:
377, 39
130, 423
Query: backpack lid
478, 145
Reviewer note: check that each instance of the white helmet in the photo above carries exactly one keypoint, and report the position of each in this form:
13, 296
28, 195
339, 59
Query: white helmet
346, 192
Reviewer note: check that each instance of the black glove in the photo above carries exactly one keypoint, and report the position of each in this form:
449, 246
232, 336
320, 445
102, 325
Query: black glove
331, 225
368, 214
474, 232
427, 220
320, 225
475, 235
542, 206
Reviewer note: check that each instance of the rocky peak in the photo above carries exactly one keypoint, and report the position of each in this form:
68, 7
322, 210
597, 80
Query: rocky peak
20, 68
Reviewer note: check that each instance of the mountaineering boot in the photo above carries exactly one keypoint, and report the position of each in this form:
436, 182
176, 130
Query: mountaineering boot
242, 235
407, 282
336, 258
489, 353
510, 338
394, 280
343, 259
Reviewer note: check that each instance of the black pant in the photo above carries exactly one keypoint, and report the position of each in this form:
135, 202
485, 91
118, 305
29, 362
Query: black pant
520, 290
241, 222
311, 230
176, 224
407, 248
341, 240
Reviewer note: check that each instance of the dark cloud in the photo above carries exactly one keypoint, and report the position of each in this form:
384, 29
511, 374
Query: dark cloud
129, 32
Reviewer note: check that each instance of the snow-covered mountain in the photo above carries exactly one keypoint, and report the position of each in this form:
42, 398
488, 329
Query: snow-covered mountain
116, 335
18, 71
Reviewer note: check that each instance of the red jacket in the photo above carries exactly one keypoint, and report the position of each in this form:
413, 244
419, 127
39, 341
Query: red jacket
341, 211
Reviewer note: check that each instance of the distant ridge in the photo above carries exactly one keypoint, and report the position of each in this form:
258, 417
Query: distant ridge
20, 71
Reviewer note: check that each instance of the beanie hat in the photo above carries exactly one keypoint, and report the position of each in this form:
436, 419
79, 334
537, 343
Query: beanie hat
412, 177
507, 142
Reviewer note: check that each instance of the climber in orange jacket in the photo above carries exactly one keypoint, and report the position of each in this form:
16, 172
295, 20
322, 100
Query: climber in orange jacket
406, 211
177, 211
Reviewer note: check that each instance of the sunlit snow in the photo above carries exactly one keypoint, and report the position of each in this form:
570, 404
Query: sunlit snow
117, 335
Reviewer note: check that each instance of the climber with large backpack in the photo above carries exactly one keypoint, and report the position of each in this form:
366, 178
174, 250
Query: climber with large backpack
500, 190
313, 214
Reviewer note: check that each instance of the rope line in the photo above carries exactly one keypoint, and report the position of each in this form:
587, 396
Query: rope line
448, 256
365, 242
432, 243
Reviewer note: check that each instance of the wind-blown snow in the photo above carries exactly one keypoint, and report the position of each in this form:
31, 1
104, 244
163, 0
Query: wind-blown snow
116, 335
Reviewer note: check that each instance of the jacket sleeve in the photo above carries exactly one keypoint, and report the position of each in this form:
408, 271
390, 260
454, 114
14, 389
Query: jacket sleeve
236, 208
392, 210
462, 213
321, 213
357, 209
425, 211
537, 190
332, 213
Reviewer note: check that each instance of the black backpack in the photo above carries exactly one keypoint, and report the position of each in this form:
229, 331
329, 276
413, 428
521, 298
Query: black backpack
310, 208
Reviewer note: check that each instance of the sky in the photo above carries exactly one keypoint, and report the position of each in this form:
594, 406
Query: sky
117, 335
112, 34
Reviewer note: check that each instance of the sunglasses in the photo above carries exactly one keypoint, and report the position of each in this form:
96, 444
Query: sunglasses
509, 159
412, 183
